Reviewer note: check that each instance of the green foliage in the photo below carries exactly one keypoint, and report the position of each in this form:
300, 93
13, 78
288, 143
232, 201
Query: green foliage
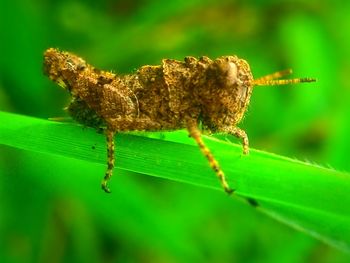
51, 207
303, 195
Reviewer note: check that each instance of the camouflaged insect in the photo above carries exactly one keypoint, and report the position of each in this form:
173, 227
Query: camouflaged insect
171, 96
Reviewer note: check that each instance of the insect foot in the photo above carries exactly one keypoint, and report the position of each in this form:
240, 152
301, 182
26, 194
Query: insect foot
173, 95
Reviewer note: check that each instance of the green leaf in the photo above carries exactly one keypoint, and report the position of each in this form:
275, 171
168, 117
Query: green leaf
308, 197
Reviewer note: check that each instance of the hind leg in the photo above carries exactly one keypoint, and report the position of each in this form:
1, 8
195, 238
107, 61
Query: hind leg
121, 124
110, 160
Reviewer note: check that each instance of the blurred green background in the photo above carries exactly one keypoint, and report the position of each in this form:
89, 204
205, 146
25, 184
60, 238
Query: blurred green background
42, 216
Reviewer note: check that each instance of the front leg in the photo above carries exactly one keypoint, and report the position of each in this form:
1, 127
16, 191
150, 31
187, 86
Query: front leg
195, 133
110, 160
240, 134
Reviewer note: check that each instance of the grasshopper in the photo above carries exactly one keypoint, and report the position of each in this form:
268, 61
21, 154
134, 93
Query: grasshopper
170, 96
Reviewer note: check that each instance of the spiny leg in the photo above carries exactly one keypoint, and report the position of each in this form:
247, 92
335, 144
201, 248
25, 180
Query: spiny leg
240, 134
110, 160
196, 135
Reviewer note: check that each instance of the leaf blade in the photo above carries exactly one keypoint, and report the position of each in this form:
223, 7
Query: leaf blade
305, 196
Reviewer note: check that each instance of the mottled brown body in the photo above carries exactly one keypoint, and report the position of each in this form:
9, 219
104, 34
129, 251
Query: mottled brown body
171, 96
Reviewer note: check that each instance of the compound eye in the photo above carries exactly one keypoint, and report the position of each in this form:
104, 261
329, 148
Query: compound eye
232, 72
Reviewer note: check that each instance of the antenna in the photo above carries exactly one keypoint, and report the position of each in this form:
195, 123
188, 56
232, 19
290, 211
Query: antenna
272, 79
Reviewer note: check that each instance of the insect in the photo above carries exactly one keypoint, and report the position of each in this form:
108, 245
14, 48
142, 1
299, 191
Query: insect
171, 96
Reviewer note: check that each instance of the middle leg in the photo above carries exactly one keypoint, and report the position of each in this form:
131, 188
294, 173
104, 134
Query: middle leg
195, 133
